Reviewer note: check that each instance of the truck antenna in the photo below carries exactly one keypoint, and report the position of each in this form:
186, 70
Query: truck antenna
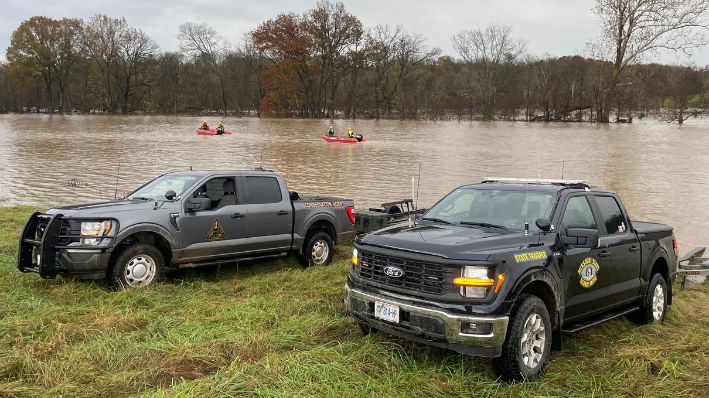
563, 165
118, 172
416, 200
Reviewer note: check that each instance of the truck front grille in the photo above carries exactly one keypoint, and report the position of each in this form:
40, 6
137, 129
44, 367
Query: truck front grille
418, 275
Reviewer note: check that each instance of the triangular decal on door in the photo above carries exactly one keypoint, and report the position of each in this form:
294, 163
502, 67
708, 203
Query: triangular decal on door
216, 232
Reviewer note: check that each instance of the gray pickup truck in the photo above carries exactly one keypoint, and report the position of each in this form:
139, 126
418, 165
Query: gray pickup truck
184, 220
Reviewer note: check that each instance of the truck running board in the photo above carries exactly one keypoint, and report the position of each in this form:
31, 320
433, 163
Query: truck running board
616, 313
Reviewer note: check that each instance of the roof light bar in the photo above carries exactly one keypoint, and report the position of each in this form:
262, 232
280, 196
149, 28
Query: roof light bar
539, 181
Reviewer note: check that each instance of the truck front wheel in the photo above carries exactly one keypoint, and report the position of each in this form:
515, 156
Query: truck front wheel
525, 352
138, 265
318, 249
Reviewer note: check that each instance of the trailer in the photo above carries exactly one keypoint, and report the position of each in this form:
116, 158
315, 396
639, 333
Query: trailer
693, 263
388, 213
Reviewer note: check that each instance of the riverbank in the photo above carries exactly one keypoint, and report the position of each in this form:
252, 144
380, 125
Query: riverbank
272, 328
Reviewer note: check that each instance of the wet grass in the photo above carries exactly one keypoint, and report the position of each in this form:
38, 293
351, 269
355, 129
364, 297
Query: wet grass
272, 328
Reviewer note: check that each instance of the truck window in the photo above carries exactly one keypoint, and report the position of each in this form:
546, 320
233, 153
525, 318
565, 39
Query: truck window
221, 191
612, 215
260, 190
578, 214
156, 189
508, 208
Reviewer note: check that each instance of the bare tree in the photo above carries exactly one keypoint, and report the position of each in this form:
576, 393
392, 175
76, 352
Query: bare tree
119, 57
381, 51
634, 28
410, 51
335, 34
686, 86
488, 50
202, 41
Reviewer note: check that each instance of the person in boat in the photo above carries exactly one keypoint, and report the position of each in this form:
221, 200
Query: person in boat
205, 126
351, 134
331, 131
220, 128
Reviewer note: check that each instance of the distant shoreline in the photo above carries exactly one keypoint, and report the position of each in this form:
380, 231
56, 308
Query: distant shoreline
450, 118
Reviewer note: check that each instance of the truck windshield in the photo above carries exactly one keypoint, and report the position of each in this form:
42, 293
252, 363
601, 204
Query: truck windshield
156, 189
492, 208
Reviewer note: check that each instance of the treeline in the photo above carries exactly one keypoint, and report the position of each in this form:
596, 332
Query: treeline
326, 64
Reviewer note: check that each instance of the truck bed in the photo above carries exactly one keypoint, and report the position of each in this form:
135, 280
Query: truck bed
644, 227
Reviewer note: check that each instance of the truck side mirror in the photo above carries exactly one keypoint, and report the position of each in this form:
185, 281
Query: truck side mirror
170, 195
581, 237
198, 204
543, 224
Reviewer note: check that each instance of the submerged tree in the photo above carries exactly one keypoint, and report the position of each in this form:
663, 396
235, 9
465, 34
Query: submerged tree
46, 48
684, 85
119, 60
204, 44
488, 51
633, 28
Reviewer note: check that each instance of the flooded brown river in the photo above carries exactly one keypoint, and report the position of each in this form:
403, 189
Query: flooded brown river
661, 170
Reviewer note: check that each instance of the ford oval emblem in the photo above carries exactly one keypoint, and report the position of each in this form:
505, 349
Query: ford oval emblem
393, 272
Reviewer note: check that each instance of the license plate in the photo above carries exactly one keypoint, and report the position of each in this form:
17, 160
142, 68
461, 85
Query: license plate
386, 312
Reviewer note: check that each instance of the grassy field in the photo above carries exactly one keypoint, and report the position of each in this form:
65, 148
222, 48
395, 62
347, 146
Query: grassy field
272, 328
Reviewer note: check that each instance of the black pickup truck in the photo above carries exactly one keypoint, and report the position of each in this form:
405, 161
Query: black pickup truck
501, 268
182, 220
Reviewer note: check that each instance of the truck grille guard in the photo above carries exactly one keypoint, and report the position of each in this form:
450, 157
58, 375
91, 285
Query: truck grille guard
45, 234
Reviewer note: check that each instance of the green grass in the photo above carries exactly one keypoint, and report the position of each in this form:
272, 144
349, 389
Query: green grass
272, 328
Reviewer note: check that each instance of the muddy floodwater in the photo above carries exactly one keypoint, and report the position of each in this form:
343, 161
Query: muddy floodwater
660, 170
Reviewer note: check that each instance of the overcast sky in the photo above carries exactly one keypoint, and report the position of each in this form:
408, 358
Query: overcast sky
554, 27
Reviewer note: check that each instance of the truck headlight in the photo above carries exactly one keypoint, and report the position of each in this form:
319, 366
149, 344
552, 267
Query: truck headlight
475, 281
94, 228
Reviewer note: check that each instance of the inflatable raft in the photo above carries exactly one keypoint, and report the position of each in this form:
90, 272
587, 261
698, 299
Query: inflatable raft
344, 140
211, 132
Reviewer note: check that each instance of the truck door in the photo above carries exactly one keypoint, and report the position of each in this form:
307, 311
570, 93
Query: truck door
219, 230
623, 246
270, 221
585, 271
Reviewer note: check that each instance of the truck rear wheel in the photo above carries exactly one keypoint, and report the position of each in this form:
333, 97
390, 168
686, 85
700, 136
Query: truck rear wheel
654, 304
318, 249
137, 266
527, 346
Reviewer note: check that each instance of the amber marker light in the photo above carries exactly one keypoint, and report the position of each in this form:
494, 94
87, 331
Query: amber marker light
500, 280
461, 281
355, 258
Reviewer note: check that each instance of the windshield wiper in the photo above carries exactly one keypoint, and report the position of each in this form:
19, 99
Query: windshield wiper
434, 219
483, 224
140, 198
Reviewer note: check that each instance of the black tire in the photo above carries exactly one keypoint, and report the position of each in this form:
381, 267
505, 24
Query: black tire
318, 249
646, 313
510, 366
133, 259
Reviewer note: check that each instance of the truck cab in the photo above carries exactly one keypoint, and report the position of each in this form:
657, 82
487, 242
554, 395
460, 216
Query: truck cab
503, 267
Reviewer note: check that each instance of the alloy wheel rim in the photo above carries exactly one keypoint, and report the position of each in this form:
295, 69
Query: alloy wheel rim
658, 302
532, 341
320, 252
140, 271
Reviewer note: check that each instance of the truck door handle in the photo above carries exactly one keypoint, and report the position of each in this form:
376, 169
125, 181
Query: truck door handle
237, 215
282, 213
633, 248
604, 253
